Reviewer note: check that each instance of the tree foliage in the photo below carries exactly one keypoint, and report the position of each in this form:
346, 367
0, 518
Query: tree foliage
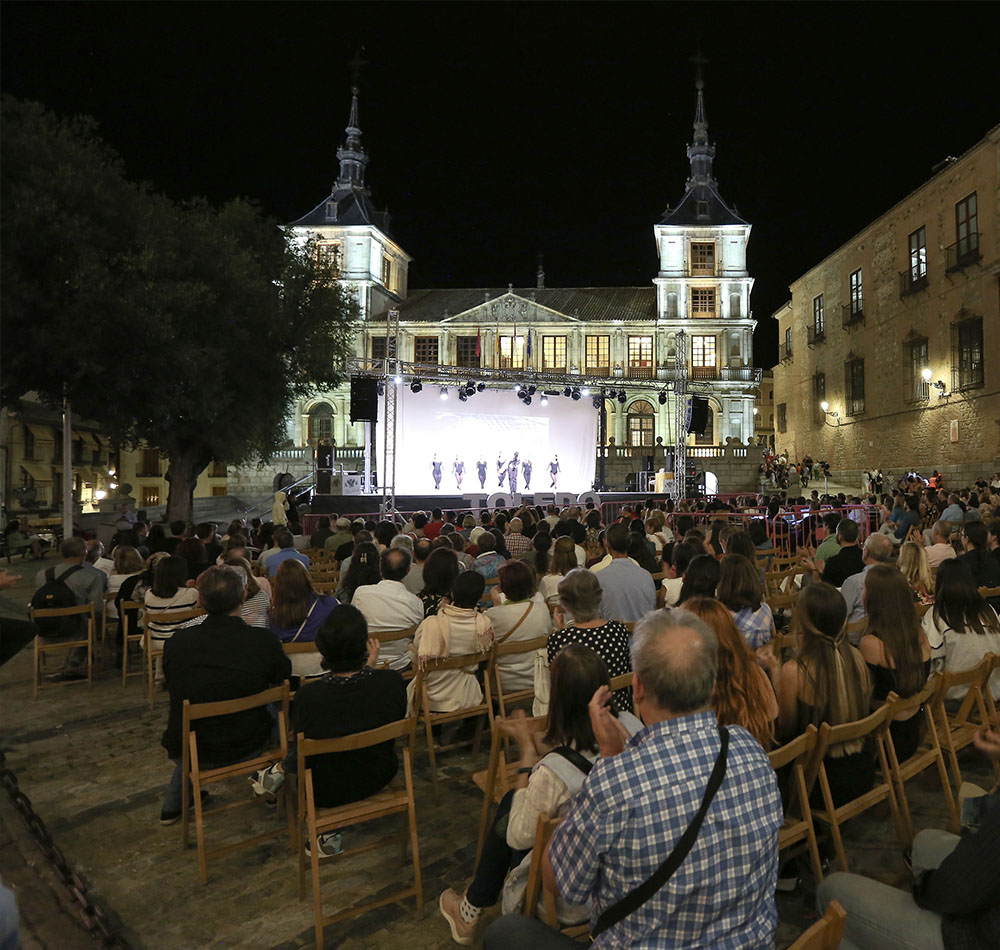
187, 327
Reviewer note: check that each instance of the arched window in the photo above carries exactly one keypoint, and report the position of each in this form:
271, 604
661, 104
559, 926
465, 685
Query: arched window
641, 418
708, 438
320, 423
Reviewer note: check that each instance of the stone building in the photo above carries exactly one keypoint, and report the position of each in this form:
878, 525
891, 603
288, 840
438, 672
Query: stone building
763, 410
886, 344
618, 334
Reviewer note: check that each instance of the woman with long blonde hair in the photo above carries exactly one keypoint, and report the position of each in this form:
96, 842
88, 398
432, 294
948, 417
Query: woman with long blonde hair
914, 566
743, 694
827, 681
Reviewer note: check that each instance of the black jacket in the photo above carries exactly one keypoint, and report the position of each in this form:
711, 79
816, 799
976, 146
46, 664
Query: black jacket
221, 658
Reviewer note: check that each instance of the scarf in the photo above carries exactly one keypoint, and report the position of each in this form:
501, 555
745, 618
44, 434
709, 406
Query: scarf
435, 632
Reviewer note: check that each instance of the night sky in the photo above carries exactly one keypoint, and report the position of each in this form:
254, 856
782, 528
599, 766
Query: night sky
500, 131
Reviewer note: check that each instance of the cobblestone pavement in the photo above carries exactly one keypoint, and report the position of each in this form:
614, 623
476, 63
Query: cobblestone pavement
91, 762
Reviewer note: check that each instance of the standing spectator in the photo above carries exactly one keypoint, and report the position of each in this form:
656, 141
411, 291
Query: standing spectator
628, 590
388, 605
219, 659
279, 510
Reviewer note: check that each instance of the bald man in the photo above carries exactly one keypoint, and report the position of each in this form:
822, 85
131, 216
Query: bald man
645, 792
877, 550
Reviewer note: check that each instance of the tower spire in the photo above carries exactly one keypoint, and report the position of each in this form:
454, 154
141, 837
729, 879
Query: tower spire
699, 152
351, 154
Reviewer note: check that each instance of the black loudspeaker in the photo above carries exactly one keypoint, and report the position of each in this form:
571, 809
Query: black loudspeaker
699, 414
364, 399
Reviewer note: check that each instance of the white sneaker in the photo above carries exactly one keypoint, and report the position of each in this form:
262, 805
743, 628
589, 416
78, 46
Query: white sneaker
329, 844
267, 781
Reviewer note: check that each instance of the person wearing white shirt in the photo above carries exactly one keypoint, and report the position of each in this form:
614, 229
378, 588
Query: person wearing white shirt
388, 605
517, 614
940, 548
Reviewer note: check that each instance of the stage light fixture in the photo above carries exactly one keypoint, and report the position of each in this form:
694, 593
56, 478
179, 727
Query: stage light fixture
575, 395
598, 401
531, 390
544, 400
397, 379
517, 387
381, 388
416, 386
463, 396
444, 392
662, 398
568, 391
527, 400
480, 387
621, 396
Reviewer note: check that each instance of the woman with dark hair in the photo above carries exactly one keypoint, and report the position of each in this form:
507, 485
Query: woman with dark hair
740, 589
984, 567
961, 627
518, 613
193, 551
457, 629
439, 574
156, 539
563, 561
718, 525
351, 696
895, 648
364, 570
538, 558
701, 578
641, 551
743, 695
554, 763
827, 681
168, 593
298, 613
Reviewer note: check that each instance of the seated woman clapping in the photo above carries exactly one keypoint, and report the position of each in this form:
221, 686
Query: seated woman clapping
554, 763
457, 629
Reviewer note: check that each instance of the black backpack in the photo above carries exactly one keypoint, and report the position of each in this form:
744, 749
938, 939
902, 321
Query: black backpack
55, 594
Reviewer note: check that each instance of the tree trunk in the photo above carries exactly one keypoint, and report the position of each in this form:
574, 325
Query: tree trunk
182, 476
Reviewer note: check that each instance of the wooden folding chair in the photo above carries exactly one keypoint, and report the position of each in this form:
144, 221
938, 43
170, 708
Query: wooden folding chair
499, 775
826, 933
431, 718
389, 636
798, 825
875, 726
512, 648
536, 889
192, 772
152, 653
856, 627
325, 586
955, 730
928, 753
318, 821
785, 642
57, 646
108, 597
130, 617
922, 609
629, 624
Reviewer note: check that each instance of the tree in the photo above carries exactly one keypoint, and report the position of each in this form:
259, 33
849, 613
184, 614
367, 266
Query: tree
191, 330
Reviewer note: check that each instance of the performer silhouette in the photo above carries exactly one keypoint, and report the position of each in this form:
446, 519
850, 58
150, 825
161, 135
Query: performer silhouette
458, 470
481, 467
436, 473
526, 472
554, 470
501, 470
512, 468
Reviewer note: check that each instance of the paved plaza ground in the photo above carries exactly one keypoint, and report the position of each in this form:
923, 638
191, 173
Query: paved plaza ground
90, 761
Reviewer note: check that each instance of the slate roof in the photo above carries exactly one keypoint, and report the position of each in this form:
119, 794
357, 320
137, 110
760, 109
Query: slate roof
685, 214
354, 206
585, 303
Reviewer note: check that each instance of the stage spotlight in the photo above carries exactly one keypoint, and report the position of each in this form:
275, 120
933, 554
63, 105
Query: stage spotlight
584, 391
544, 400
621, 396
575, 395
416, 386
381, 388
517, 387
480, 387
568, 391
444, 393
527, 400
397, 379
662, 398
463, 396
531, 390
598, 402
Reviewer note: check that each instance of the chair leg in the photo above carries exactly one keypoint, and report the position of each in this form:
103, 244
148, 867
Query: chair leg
149, 670
411, 815
90, 655
838, 841
430, 749
478, 736
37, 668
317, 896
199, 828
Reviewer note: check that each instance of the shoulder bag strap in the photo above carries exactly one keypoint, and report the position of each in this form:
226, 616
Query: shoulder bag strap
510, 632
636, 898
304, 622
575, 758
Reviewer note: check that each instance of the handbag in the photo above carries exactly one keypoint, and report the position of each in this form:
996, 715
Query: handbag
632, 901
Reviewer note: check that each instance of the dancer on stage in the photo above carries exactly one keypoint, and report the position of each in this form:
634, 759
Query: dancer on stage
481, 467
458, 470
526, 472
512, 467
501, 471
554, 470
436, 472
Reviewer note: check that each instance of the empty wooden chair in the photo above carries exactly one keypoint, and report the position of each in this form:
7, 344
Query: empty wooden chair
319, 821
826, 933
154, 647
198, 777
955, 730
874, 726
131, 633
928, 753
430, 718
42, 650
798, 826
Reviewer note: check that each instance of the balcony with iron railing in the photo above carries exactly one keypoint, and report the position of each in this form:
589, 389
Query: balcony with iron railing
785, 352
641, 370
963, 252
912, 279
815, 334
852, 314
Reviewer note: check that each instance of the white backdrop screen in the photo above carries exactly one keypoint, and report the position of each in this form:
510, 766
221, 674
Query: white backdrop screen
493, 425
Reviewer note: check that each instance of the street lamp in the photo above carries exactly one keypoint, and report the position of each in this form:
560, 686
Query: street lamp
825, 406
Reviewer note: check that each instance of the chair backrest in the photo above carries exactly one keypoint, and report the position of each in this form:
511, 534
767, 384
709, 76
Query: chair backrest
387, 636
974, 676
900, 706
519, 646
226, 707
826, 933
845, 732
629, 624
977, 680
176, 616
922, 609
455, 662
299, 646
987, 593
801, 746
401, 728
62, 611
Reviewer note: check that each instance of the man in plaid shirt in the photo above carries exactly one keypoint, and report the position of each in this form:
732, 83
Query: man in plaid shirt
642, 795
516, 542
